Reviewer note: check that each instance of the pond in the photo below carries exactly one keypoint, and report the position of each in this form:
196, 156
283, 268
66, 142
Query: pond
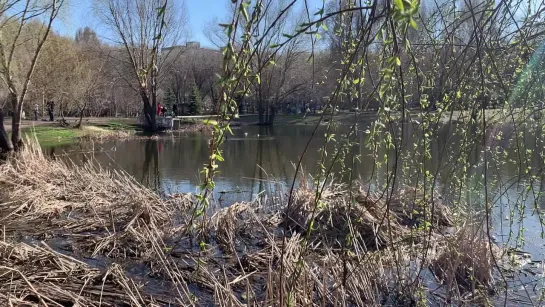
261, 161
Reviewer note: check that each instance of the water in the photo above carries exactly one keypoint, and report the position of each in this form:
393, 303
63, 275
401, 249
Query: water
261, 160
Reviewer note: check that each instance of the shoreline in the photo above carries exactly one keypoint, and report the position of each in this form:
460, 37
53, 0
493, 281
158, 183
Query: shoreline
52, 134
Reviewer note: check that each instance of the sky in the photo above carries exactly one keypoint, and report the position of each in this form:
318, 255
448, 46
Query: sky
199, 12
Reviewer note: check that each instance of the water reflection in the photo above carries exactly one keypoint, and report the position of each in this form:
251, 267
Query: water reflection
261, 159
151, 174
255, 156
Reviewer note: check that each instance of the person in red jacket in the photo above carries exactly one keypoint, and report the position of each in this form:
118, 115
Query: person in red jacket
159, 109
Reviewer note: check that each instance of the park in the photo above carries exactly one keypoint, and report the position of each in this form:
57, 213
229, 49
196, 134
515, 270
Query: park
272, 153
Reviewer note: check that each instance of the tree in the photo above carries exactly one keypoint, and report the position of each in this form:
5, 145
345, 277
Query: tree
88, 83
170, 98
191, 65
274, 65
87, 36
143, 28
195, 102
54, 76
16, 36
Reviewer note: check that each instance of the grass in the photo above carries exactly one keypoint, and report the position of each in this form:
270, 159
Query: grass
235, 257
50, 136
118, 125
64, 196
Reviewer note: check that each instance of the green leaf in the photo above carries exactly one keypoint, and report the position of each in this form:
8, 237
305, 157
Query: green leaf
244, 13
161, 10
399, 4
229, 30
324, 27
413, 24
398, 61
210, 122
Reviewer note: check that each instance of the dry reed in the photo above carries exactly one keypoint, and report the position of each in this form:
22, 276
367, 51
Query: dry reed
38, 275
107, 215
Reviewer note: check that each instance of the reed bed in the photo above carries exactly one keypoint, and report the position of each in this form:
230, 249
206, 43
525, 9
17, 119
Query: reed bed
85, 236
38, 275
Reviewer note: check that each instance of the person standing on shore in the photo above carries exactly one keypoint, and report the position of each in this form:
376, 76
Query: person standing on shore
51, 109
35, 111
159, 109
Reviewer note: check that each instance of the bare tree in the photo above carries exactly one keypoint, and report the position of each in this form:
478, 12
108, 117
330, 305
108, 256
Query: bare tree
275, 64
54, 75
143, 29
88, 80
15, 35
192, 67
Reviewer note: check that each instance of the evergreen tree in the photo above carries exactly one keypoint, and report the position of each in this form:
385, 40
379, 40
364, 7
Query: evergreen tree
195, 102
170, 99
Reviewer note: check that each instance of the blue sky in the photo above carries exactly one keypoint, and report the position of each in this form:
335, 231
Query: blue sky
199, 12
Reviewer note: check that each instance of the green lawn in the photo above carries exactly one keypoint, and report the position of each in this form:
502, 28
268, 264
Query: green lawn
118, 125
49, 136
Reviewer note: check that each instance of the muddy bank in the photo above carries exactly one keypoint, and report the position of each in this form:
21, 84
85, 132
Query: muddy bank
84, 235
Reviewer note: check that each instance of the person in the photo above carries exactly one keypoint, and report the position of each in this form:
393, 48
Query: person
164, 110
51, 109
35, 111
159, 109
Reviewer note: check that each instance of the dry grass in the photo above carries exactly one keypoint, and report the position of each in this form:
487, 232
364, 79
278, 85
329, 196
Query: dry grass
373, 222
37, 275
356, 255
100, 207
93, 211
465, 263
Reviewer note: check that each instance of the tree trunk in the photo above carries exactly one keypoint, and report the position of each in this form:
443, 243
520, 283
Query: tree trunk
261, 111
150, 116
150, 113
5, 143
272, 114
78, 126
267, 113
17, 108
